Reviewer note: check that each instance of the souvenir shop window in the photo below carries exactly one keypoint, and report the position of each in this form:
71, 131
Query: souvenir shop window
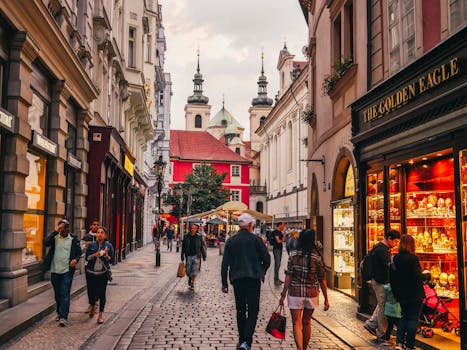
35, 190
463, 178
375, 208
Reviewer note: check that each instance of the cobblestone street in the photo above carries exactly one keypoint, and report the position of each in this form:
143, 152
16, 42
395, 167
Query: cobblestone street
150, 308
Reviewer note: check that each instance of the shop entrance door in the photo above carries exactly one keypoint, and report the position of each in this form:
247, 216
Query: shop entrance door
344, 246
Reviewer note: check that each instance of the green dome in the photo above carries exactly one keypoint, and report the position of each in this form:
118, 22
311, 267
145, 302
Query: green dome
224, 118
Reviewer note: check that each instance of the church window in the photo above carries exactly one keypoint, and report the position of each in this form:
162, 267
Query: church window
198, 122
262, 120
224, 122
237, 150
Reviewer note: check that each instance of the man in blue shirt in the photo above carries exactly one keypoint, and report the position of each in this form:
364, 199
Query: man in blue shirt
61, 260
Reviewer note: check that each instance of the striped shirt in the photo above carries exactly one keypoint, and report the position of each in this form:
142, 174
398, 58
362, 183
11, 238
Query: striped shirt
305, 273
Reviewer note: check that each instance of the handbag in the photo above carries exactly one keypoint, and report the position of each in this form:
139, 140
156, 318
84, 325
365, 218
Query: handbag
181, 272
108, 272
276, 324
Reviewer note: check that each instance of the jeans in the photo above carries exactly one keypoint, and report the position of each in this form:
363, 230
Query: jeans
98, 287
247, 292
277, 252
408, 324
377, 319
169, 244
61, 283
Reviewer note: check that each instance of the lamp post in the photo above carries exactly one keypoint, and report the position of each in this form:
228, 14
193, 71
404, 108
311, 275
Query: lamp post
159, 167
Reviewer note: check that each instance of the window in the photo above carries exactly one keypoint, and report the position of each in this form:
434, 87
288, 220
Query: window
290, 146
235, 195
237, 150
336, 39
262, 120
131, 47
348, 29
401, 33
198, 122
149, 49
457, 14
235, 170
38, 114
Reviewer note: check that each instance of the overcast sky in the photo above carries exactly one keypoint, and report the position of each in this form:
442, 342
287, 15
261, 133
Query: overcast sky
230, 36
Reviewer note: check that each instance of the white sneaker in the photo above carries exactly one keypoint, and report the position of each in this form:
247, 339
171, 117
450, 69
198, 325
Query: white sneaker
62, 322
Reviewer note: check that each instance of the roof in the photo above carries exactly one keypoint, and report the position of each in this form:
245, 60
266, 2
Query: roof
201, 146
224, 115
299, 65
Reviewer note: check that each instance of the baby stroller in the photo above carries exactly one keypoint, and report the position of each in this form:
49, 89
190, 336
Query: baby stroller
435, 313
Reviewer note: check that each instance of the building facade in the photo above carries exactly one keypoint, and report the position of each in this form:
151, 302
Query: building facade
281, 136
46, 105
409, 136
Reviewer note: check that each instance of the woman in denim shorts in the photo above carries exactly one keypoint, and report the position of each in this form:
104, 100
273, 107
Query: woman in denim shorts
304, 277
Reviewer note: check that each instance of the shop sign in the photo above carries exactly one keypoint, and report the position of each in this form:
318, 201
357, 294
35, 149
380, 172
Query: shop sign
424, 83
129, 166
44, 144
73, 161
6, 120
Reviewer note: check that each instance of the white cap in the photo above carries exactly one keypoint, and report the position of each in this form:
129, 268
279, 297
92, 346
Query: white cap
245, 219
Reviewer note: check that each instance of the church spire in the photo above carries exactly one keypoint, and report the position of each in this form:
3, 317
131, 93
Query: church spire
198, 97
262, 99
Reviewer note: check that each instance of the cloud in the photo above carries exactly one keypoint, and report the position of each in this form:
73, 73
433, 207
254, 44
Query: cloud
230, 36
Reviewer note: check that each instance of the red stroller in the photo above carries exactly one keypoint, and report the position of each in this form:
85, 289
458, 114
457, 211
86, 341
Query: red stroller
435, 313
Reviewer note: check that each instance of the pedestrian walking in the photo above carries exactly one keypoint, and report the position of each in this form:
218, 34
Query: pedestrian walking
292, 242
392, 311
193, 249
407, 286
245, 261
304, 277
99, 255
381, 258
277, 240
170, 233
85, 242
61, 260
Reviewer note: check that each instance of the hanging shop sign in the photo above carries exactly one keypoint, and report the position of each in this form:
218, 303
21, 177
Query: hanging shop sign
129, 166
73, 162
7, 120
419, 86
44, 144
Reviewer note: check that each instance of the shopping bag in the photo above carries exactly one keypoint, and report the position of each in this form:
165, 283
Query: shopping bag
181, 272
276, 324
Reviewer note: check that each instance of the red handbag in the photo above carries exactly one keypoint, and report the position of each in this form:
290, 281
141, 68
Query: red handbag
276, 324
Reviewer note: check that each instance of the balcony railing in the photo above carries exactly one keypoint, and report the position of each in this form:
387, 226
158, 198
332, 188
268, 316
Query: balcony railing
258, 189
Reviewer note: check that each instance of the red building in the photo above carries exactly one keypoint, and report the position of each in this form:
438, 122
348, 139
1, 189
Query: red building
188, 148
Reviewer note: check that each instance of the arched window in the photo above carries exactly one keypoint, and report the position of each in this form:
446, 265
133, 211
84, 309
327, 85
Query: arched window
290, 145
237, 150
259, 207
198, 122
262, 120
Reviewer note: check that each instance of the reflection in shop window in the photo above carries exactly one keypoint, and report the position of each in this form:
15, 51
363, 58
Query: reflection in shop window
34, 217
38, 114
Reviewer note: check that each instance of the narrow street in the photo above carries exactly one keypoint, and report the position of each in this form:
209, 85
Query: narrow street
150, 308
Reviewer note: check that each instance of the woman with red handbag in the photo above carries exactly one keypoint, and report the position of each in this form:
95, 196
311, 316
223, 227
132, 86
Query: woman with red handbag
304, 277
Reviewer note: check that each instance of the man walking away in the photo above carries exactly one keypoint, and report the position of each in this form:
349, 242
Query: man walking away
381, 260
61, 259
246, 260
170, 237
193, 249
278, 239
85, 242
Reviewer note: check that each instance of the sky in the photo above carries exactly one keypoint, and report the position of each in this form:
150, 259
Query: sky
230, 36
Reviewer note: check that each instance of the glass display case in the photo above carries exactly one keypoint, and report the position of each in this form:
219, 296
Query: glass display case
375, 209
344, 245
431, 220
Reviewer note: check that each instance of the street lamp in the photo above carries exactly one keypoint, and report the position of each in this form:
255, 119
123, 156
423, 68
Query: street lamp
159, 167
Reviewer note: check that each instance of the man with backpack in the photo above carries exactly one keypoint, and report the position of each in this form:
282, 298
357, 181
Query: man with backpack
380, 262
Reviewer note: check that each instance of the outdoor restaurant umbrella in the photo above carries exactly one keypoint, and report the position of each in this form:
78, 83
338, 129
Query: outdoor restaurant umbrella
215, 221
230, 207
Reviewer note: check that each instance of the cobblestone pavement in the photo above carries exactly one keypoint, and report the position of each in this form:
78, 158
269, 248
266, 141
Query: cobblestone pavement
149, 308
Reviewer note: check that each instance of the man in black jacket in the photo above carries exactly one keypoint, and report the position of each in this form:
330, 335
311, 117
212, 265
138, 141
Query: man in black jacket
193, 249
246, 260
381, 259
61, 260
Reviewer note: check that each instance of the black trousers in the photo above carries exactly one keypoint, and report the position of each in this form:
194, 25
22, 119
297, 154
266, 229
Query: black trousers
247, 292
88, 287
97, 285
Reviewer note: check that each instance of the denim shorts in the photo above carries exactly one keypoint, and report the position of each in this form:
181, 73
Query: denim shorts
300, 303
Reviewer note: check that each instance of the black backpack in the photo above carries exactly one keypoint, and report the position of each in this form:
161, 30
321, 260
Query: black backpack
366, 267
272, 238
